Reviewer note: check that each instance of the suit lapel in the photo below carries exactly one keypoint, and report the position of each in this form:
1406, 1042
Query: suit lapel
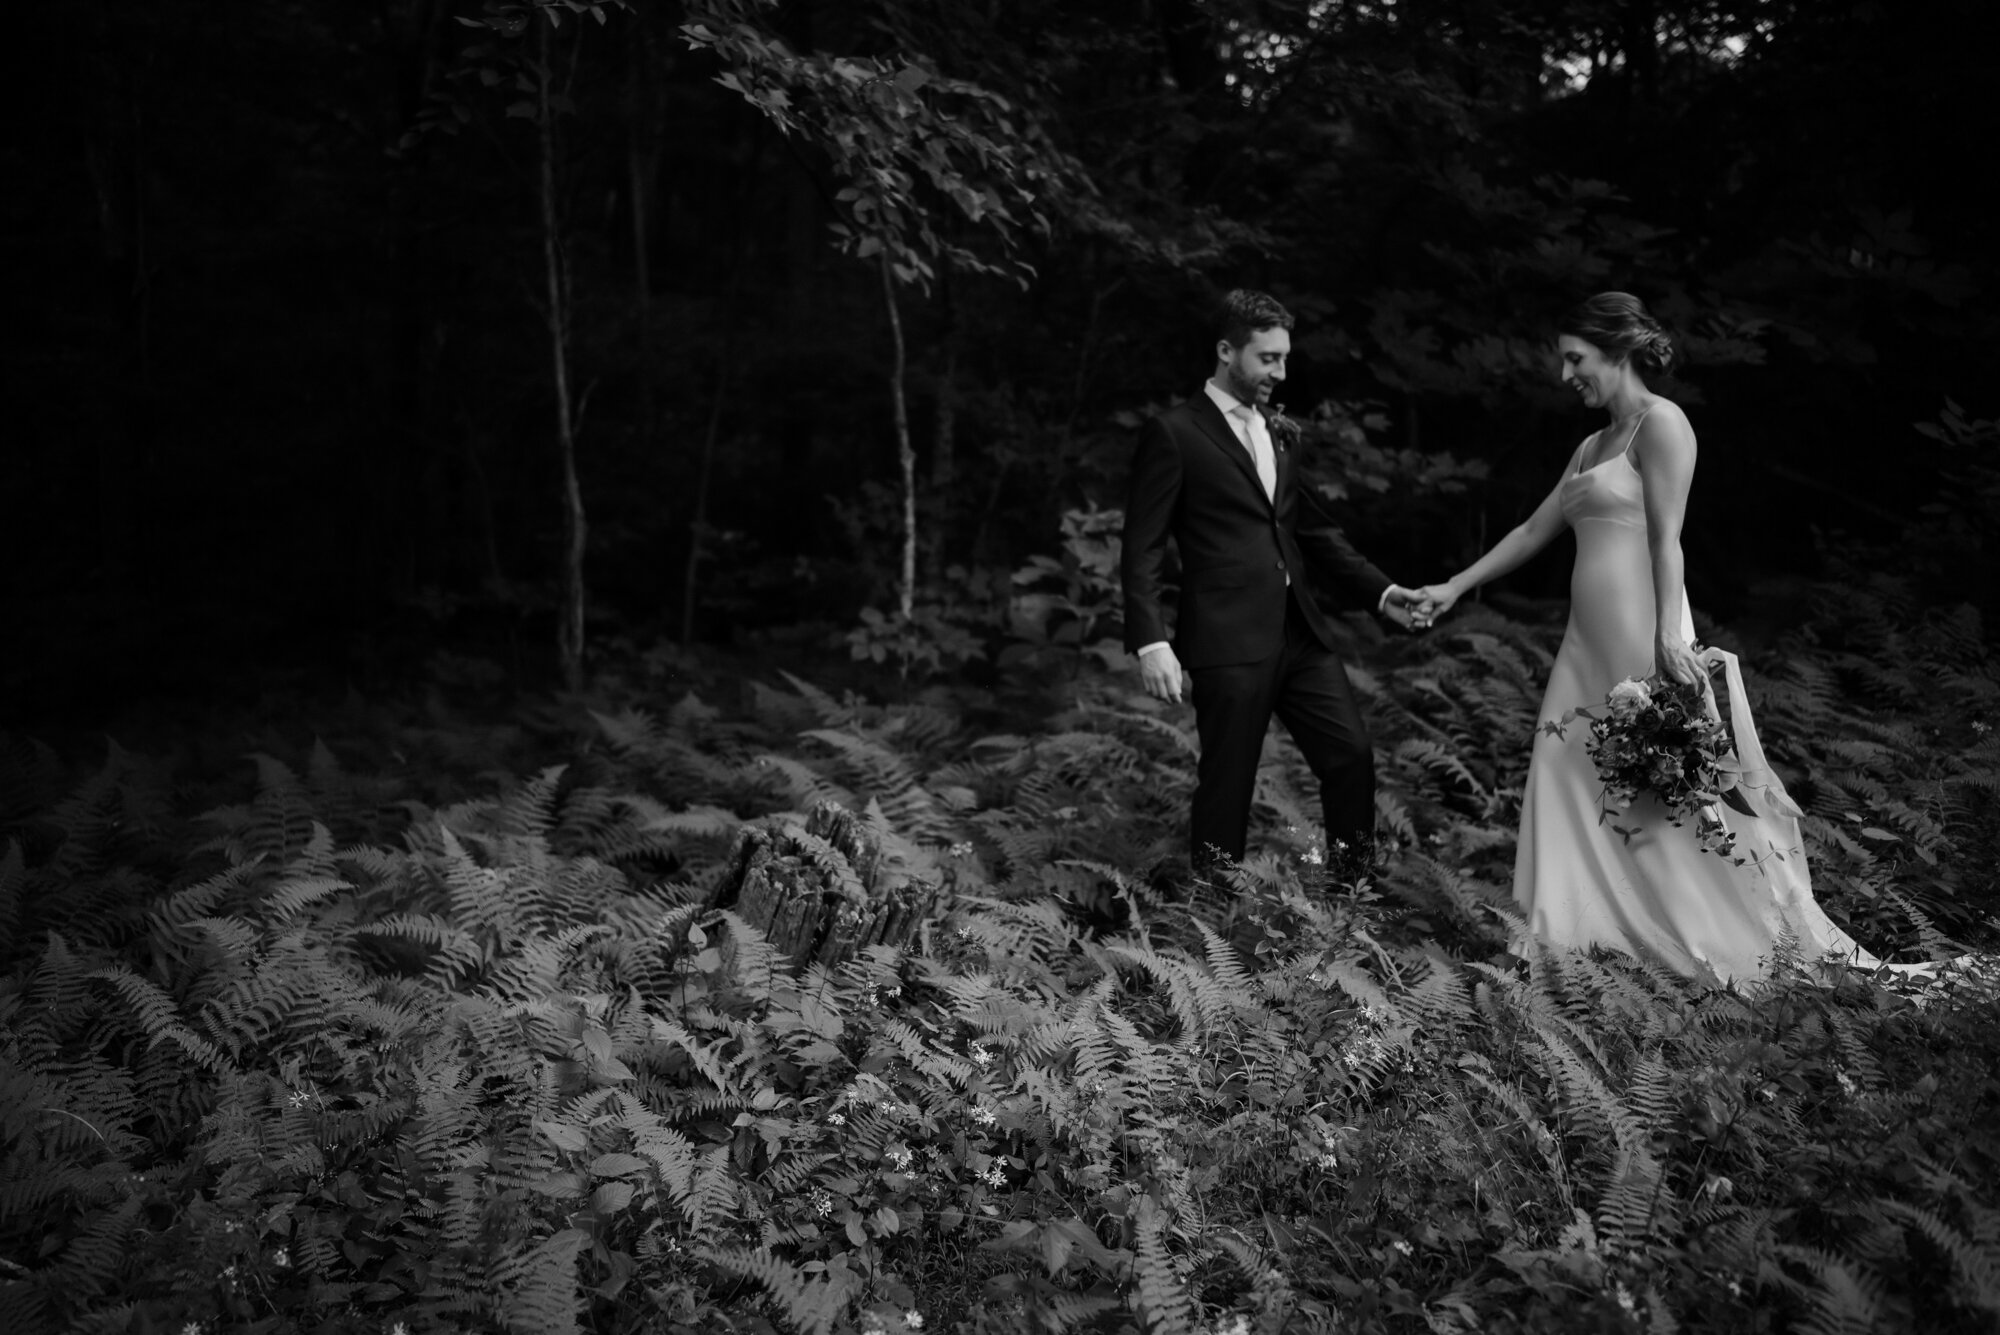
1223, 436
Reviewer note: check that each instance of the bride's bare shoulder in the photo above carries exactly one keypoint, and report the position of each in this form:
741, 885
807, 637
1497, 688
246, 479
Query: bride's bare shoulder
1665, 425
1668, 415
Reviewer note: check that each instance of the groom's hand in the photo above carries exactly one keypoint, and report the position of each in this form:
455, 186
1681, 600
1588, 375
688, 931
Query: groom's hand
1161, 674
1400, 606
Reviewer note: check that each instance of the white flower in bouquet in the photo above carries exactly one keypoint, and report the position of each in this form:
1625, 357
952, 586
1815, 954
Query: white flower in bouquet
1630, 694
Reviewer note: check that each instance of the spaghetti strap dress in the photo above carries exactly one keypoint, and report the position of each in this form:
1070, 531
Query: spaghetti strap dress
1658, 894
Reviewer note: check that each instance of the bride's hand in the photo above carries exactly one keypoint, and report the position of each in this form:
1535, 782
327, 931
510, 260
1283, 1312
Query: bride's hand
1433, 601
1673, 658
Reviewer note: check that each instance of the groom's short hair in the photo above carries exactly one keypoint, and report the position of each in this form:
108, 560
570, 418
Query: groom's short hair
1245, 311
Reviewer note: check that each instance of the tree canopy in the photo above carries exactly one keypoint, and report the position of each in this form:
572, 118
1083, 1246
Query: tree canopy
283, 271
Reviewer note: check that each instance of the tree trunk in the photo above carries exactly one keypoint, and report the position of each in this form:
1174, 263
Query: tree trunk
944, 465
1080, 383
905, 453
698, 526
944, 462
570, 600
641, 155
414, 52
944, 430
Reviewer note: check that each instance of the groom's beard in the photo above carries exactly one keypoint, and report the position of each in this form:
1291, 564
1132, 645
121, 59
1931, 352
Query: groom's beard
1245, 391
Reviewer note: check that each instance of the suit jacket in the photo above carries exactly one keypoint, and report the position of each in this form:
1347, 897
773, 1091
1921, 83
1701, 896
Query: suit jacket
1193, 481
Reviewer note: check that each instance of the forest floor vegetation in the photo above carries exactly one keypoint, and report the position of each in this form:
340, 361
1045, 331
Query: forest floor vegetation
446, 1025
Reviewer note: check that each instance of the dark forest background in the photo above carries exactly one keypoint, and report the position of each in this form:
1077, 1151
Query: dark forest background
282, 390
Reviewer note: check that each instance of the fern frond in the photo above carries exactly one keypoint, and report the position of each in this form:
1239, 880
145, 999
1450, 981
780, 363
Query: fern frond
1976, 1264
1162, 1294
158, 1015
810, 1306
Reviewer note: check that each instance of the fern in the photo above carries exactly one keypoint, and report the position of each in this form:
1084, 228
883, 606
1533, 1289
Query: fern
1160, 1293
809, 1307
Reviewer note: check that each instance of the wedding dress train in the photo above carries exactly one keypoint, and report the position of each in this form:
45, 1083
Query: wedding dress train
1659, 894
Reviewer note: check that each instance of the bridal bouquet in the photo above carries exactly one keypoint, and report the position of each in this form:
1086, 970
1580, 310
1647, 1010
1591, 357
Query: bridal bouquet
1662, 738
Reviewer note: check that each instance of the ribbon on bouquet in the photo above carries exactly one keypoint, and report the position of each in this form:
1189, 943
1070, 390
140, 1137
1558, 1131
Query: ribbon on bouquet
1754, 771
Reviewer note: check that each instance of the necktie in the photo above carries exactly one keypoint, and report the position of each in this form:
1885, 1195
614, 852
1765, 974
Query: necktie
1259, 437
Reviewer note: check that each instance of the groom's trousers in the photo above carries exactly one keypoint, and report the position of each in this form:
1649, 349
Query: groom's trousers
1305, 685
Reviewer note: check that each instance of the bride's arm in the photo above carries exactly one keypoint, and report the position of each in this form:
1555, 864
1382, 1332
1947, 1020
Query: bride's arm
1522, 542
1663, 452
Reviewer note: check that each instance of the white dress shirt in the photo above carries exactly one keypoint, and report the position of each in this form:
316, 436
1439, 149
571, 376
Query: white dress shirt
1251, 434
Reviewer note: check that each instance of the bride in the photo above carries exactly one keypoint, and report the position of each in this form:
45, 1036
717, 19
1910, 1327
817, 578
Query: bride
1578, 880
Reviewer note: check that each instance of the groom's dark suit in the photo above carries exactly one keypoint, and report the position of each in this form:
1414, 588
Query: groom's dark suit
1249, 630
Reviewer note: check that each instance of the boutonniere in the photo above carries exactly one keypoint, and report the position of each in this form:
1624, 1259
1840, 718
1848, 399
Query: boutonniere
1285, 432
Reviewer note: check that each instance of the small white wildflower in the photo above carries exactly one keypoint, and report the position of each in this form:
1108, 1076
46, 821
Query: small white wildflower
399, 1329
1403, 1247
1718, 1186
1768, 1094
836, 1119
822, 1203
1735, 1289
1239, 1326
962, 849
1626, 1301
1328, 1161
913, 1319
902, 1160
963, 933
282, 1257
985, 1117
1311, 857
993, 1177
1847, 1085
192, 1328
982, 1056
896, 991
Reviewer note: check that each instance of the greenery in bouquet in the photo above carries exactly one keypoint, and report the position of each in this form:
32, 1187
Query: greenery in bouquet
1664, 738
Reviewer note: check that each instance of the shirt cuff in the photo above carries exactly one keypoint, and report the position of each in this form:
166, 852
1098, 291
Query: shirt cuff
1145, 649
1382, 603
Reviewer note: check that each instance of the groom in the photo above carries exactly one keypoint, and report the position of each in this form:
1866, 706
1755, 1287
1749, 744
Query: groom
1250, 639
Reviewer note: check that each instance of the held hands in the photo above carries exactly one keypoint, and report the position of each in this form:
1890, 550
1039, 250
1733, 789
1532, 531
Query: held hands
1403, 607
1431, 602
1419, 608
1160, 672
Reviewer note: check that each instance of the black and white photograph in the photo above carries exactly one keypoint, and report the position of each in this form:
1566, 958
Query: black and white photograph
1000, 667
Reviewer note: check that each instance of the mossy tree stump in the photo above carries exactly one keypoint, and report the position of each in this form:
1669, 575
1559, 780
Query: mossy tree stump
824, 892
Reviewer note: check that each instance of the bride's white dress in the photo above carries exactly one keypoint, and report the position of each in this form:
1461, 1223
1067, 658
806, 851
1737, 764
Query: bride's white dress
1578, 880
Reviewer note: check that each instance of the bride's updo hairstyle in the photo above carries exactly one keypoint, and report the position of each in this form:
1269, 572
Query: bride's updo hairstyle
1619, 324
